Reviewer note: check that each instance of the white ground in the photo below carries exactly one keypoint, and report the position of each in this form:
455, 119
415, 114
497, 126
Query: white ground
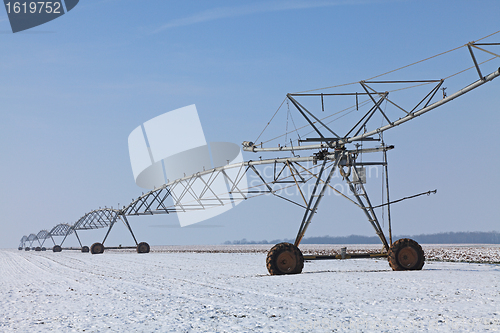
232, 292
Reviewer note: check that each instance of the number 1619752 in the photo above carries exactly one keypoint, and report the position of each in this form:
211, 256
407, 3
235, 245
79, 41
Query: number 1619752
33, 7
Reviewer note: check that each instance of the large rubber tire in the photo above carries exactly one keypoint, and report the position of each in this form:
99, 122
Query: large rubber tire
19, 248
143, 247
97, 248
85, 249
38, 249
26, 249
44, 248
406, 255
57, 248
284, 258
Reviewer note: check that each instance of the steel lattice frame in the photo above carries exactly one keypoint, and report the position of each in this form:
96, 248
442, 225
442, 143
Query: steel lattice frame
102, 218
62, 229
23, 241
99, 218
289, 171
42, 236
31, 239
202, 197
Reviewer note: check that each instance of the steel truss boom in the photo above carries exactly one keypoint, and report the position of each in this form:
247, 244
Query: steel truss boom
420, 112
102, 218
43, 235
198, 187
287, 172
31, 239
62, 230
23, 241
338, 141
199, 191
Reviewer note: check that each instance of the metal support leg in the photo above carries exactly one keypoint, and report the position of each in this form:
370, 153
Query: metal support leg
388, 200
314, 200
65, 236
78, 239
110, 227
129, 228
368, 209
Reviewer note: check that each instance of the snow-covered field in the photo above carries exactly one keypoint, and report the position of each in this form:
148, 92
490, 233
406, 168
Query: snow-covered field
472, 253
186, 290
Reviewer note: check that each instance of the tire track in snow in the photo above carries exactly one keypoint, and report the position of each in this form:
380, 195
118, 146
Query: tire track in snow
222, 292
197, 288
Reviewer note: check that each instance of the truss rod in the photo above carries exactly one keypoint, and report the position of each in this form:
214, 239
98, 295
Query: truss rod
367, 209
129, 229
405, 198
376, 103
314, 200
300, 108
398, 122
475, 62
428, 108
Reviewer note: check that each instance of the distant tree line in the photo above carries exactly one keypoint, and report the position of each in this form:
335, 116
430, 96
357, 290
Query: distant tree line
492, 237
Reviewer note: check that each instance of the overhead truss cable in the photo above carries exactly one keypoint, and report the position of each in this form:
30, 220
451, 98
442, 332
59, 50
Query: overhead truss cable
468, 45
406, 66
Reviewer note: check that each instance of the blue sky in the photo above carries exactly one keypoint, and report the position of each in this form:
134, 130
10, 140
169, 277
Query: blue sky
74, 88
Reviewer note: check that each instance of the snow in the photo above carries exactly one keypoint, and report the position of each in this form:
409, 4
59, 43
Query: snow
483, 253
185, 290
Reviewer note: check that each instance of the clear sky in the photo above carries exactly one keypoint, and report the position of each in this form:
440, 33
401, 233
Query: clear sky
73, 89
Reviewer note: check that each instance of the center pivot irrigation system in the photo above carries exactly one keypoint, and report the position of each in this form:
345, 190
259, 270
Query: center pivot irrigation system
328, 150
